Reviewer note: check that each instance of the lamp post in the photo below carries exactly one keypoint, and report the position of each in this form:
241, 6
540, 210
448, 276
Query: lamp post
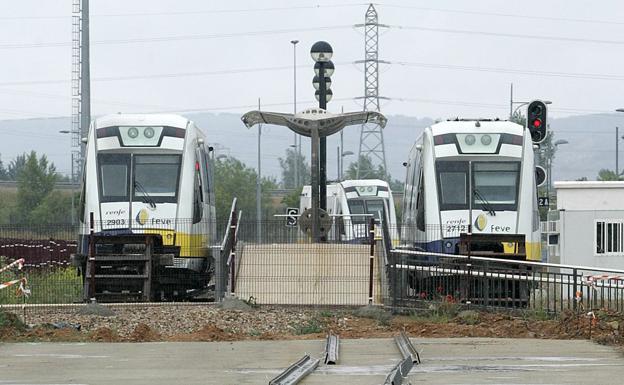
321, 53
555, 144
617, 139
294, 43
73, 183
341, 162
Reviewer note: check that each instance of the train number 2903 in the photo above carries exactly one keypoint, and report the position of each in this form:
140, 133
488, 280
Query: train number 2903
115, 222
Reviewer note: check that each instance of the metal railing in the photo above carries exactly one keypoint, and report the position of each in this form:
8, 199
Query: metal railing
427, 276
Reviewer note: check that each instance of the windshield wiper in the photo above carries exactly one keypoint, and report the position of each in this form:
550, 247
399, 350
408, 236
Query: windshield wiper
148, 198
484, 203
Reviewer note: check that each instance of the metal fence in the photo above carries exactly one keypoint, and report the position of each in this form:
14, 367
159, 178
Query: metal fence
270, 262
418, 276
267, 261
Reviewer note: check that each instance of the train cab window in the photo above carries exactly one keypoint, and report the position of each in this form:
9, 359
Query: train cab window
356, 206
496, 184
453, 185
375, 207
156, 176
113, 177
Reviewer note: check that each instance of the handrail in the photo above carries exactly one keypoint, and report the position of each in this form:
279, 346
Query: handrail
498, 260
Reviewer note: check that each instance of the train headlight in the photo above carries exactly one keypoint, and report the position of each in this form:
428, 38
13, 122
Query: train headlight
470, 139
133, 132
448, 244
486, 140
148, 132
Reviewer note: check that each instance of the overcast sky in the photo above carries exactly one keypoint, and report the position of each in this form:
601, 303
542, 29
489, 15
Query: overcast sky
450, 58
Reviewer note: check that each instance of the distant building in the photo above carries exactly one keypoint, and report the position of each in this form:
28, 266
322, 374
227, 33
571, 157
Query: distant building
589, 230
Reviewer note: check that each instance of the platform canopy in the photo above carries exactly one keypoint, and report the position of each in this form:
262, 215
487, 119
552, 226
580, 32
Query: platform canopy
303, 122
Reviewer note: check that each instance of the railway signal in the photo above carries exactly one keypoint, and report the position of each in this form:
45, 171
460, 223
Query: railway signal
536, 120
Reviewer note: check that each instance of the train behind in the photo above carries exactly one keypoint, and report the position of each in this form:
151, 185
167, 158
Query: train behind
472, 177
147, 183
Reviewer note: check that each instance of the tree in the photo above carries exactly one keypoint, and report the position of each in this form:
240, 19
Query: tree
35, 182
288, 169
605, 175
234, 179
293, 198
366, 168
518, 118
16, 166
3, 171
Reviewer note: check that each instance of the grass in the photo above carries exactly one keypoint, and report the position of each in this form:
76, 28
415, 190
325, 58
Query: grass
310, 327
373, 312
438, 313
47, 285
10, 320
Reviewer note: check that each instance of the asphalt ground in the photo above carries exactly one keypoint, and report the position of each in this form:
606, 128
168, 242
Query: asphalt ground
361, 361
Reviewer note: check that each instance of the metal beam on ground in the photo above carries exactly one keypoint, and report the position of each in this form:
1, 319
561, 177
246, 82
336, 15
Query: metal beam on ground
296, 372
332, 346
400, 371
407, 349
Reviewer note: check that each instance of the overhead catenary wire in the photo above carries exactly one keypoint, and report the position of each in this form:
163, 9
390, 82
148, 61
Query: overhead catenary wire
187, 13
179, 37
509, 35
507, 15
314, 29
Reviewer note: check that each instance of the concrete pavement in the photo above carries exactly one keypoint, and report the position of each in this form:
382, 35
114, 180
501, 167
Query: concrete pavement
362, 362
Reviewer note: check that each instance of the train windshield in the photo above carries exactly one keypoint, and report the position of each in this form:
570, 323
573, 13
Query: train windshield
154, 177
365, 206
495, 185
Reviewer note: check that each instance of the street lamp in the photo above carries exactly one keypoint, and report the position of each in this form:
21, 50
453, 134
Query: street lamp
617, 149
555, 144
73, 183
297, 151
322, 53
341, 163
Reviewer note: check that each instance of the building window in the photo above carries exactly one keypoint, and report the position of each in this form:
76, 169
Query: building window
609, 237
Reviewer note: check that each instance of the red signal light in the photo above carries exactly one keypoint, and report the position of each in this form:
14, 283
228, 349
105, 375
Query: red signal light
537, 123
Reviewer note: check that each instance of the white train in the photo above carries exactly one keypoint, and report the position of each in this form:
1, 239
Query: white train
150, 174
351, 204
472, 172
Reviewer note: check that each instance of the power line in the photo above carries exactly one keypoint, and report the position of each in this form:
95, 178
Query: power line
572, 75
496, 14
196, 12
509, 35
313, 29
179, 37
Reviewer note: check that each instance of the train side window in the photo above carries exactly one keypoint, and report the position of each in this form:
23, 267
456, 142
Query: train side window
81, 202
197, 199
420, 205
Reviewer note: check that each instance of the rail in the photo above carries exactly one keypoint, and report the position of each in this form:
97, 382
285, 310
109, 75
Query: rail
332, 346
296, 372
399, 372
406, 348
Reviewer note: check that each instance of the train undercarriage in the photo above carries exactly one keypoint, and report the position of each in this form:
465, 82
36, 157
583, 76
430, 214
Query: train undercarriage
138, 268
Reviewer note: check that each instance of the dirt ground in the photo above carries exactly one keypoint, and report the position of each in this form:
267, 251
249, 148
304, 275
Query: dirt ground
186, 323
